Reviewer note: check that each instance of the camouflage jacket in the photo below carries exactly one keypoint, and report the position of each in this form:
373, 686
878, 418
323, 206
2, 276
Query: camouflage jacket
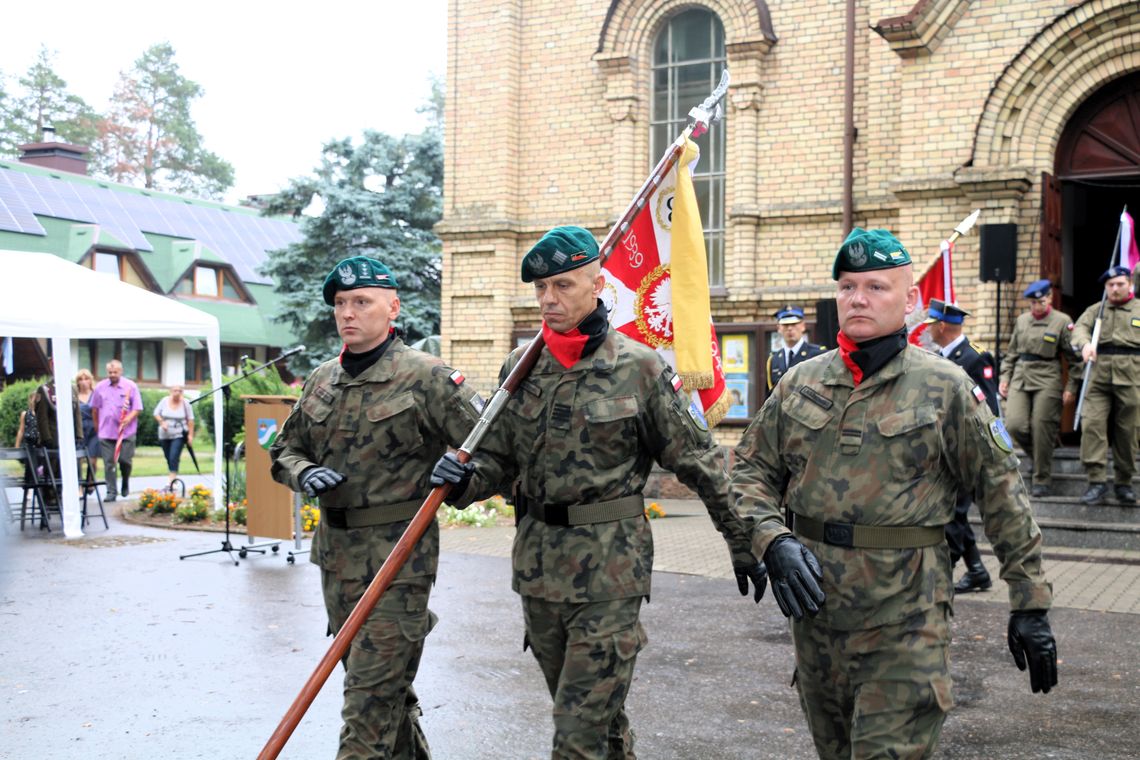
894, 451
591, 433
384, 430
1119, 328
1048, 338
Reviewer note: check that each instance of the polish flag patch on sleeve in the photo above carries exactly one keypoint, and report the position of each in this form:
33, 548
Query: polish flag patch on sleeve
979, 394
676, 383
456, 377
988, 372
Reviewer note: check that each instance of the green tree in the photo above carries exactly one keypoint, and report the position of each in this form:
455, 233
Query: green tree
148, 136
381, 199
45, 101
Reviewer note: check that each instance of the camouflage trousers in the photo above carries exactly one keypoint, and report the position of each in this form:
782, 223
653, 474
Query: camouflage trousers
587, 654
877, 693
380, 711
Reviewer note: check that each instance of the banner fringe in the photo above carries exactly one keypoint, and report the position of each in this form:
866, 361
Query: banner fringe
697, 381
716, 413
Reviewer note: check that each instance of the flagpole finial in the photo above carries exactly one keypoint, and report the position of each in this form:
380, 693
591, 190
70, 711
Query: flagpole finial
711, 110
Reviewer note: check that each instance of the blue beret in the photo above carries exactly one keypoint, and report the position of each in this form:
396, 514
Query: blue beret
357, 272
1038, 289
789, 315
1116, 271
940, 311
864, 250
560, 250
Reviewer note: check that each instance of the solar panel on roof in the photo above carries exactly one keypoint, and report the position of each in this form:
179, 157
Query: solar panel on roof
239, 238
15, 216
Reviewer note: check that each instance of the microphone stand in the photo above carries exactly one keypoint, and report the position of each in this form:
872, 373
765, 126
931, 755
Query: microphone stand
227, 546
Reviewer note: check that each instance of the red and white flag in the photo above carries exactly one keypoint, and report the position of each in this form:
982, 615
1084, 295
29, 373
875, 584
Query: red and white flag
936, 282
1129, 253
657, 289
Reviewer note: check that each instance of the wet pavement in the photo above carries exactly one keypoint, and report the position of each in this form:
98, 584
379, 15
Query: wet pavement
115, 648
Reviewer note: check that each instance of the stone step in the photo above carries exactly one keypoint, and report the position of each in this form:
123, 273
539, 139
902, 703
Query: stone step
1060, 508
1066, 461
1061, 532
1072, 487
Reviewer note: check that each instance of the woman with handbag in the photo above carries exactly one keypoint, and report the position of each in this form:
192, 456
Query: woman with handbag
175, 426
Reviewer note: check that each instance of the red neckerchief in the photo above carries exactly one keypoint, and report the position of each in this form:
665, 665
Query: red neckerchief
565, 347
846, 347
1126, 300
1048, 311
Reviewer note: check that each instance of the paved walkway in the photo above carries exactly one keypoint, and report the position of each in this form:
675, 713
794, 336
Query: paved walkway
685, 541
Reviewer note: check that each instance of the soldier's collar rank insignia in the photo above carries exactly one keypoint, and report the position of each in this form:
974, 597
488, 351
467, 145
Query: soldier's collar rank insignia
456, 377
1001, 436
698, 416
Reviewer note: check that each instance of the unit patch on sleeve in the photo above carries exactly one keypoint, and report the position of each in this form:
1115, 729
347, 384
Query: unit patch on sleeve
456, 377
676, 383
979, 394
698, 416
477, 402
1001, 436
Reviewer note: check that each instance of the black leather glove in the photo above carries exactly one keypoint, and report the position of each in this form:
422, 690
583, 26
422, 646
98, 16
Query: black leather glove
450, 470
317, 480
759, 575
795, 574
1031, 641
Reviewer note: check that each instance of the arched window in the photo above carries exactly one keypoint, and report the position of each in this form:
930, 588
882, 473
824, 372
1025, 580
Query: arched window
688, 57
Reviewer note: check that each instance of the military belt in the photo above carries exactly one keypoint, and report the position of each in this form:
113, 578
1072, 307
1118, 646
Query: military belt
366, 517
851, 536
1033, 358
1117, 351
584, 514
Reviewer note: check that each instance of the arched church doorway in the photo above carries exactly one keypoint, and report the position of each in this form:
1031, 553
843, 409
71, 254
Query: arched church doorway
1097, 174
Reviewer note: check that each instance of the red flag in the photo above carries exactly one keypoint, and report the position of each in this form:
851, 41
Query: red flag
639, 292
936, 282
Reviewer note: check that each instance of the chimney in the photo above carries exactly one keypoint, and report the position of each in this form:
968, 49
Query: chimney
52, 154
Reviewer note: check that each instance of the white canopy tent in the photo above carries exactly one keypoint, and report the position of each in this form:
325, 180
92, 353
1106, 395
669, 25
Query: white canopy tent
44, 296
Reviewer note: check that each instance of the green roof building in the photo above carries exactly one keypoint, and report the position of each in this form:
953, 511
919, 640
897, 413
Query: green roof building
202, 253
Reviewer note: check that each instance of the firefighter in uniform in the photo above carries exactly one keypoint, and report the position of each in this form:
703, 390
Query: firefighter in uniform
795, 349
945, 329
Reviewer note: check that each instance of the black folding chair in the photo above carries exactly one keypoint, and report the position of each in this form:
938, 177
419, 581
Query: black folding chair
41, 484
91, 486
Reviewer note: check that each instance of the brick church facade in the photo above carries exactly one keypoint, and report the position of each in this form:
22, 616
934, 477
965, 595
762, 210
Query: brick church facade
904, 114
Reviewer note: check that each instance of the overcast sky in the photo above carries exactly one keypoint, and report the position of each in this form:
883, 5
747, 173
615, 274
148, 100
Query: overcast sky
280, 78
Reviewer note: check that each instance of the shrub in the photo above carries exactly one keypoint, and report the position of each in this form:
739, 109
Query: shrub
310, 517
201, 496
13, 400
480, 514
267, 382
158, 502
191, 511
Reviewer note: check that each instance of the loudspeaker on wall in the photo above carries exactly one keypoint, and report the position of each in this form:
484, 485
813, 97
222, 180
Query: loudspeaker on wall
997, 252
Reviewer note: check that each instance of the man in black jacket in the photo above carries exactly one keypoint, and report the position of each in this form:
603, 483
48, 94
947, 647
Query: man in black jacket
945, 328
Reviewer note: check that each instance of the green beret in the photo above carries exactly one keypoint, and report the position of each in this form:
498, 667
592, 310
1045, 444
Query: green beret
558, 251
357, 272
864, 250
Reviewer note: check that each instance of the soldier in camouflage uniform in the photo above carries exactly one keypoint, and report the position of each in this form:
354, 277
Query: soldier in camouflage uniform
867, 447
1112, 388
578, 440
1031, 380
364, 435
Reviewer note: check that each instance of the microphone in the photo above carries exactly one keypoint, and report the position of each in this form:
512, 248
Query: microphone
291, 351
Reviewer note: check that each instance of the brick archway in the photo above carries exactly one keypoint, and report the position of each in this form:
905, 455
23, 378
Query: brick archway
1034, 98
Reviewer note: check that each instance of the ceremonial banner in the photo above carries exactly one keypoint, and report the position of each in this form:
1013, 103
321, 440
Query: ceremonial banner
657, 289
1129, 253
936, 282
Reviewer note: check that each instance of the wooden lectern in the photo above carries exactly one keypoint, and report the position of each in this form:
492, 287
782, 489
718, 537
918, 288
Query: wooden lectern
270, 508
